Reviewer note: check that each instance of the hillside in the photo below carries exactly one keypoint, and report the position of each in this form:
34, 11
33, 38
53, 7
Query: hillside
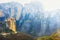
18, 36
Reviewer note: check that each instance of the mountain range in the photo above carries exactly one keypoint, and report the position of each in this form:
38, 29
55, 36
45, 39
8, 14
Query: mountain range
31, 18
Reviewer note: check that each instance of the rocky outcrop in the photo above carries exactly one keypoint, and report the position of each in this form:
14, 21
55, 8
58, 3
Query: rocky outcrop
11, 24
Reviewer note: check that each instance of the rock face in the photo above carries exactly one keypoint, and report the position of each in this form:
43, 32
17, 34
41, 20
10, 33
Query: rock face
11, 24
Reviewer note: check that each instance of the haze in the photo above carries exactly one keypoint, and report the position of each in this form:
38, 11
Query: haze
48, 5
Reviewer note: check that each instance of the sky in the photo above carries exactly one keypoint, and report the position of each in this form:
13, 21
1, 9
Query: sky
48, 5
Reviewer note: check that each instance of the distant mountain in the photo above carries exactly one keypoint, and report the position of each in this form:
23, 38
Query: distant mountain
31, 18
11, 9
